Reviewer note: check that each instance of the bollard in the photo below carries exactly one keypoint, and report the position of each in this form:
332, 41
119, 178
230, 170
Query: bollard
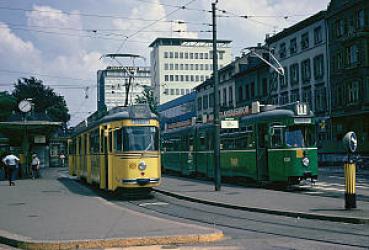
350, 179
350, 142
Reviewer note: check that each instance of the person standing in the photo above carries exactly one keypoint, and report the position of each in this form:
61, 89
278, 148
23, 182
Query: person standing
11, 162
35, 166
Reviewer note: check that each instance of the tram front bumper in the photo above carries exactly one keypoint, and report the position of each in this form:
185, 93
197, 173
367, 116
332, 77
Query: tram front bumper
141, 181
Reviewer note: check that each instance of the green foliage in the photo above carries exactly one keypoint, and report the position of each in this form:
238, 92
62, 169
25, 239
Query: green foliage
8, 103
43, 98
149, 98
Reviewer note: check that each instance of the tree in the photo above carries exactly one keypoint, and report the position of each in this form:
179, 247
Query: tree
149, 98
43, 98
8, 103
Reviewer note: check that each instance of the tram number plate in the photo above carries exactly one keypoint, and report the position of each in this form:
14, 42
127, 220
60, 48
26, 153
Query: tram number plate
141, 121
302, 120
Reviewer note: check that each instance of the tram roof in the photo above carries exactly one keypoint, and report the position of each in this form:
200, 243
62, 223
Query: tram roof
116, 114
272, 115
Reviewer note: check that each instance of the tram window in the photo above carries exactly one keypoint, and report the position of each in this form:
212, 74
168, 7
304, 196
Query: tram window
277, 137
118, 140
140, 138
299, 136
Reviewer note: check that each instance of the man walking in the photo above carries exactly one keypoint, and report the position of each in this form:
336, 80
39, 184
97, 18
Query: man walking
11, 162
35, 166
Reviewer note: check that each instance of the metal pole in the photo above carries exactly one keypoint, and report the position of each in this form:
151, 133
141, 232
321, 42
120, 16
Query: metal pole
217, 176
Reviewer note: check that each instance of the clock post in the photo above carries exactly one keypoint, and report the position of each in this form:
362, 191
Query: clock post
25, 106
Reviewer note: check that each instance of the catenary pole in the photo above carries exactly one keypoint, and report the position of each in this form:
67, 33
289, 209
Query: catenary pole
217, 176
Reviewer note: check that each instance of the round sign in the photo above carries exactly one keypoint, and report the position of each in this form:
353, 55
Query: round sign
25, 106
350, 142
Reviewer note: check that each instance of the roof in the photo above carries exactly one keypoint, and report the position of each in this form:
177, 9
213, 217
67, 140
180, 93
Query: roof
176, 102
179, 41
272, 114
299, 26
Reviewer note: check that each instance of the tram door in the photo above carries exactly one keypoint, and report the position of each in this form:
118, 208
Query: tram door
262, 152
105, 155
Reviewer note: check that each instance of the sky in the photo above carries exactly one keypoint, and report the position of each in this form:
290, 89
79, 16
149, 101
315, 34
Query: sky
62, 42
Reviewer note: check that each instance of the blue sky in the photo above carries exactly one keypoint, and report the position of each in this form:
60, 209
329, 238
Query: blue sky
61, 42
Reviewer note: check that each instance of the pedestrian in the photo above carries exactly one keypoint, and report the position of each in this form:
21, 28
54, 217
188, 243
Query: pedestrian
35, 166
11, 162
62, 159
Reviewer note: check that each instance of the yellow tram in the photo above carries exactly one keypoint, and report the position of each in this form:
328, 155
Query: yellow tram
117, 149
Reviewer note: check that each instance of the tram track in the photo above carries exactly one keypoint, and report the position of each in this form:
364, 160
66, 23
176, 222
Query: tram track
330, 233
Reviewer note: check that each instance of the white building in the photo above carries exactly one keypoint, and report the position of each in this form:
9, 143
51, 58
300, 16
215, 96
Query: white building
112, 82
302, 51
180, 64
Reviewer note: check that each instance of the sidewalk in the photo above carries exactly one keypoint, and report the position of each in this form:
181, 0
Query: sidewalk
59, 213
265, 201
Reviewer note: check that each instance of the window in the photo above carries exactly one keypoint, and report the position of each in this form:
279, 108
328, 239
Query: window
352, 55
186, 55
166, 78
206, 66
318, 35
361, 19
205, 101
274, 81
306, 96
282, 50
176, 78
339, 62
305, 71
247, 92
182, 78
221, 53
176, 66
320, 99
318, 67
181, 55
191, 66
186, 66
170, 54
353, 92
284, 98
230, 96
338, 99
265, 86
197, 78
192, 78
282, 81
191, 55
165, 54
293, 46
294, 74
201, 55
166, 66
181, 66
305, 41
171, 66
176, 55
171, 91
295, 95
177, 91
196, 66
199, 103
206, 56
225, 97
340, 28
211, 100
171, 78
252, 91
240, 96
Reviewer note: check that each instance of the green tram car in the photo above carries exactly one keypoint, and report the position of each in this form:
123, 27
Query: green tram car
275, 145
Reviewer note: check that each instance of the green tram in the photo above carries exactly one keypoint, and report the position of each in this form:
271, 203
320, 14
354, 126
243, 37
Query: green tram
276, 144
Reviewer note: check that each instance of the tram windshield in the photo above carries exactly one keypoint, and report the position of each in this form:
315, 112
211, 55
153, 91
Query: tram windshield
299, 136
139, 139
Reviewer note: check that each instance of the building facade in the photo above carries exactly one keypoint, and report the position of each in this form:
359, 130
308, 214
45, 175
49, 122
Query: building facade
302, 51
180, 64
112, 82
348, 23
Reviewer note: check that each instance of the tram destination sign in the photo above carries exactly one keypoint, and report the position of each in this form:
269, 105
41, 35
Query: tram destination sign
229, 124
302, 120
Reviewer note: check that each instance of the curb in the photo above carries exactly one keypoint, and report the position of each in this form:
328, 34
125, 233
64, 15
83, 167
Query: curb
25, 243
351, 220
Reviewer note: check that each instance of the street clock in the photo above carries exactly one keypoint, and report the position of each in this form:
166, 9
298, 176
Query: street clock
350, 142
25, 106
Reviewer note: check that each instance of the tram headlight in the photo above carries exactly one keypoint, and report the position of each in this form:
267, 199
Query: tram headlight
305, 161
142, 166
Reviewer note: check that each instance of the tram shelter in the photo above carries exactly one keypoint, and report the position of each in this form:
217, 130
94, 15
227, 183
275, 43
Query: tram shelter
29, 134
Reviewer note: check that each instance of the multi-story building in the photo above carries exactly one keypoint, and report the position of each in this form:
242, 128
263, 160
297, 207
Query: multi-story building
112, 82
302, 51
180, 64
348, 23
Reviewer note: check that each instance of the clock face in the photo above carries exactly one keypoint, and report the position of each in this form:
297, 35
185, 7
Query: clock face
25, 106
